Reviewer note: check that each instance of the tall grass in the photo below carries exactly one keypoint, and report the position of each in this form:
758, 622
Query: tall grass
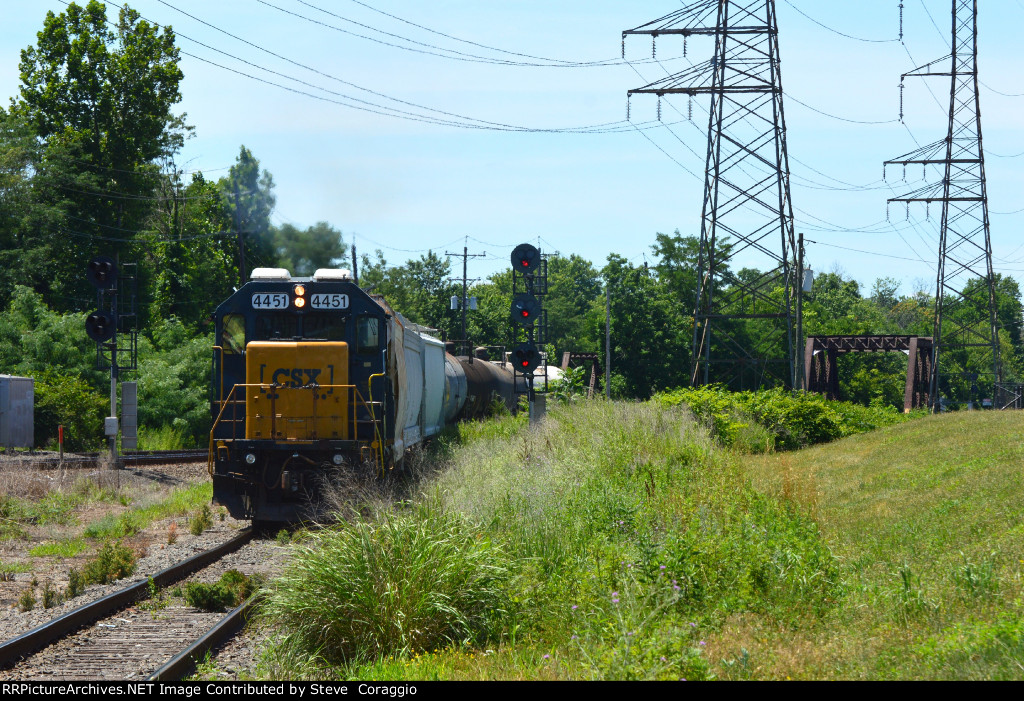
407, 581
631, 534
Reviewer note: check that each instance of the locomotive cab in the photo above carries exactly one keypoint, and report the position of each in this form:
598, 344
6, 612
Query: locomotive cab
299, 391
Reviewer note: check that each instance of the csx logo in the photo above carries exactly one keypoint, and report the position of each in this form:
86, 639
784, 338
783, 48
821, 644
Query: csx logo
295, 377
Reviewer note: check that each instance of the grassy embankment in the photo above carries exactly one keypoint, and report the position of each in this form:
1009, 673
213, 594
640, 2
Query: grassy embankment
621, 542
927, 521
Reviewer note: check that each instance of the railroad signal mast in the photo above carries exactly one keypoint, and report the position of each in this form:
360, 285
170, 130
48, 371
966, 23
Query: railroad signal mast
529, 318
114, 328
746, 195
965, 279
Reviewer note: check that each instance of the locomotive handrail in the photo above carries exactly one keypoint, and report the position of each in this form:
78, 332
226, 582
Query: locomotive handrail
358, 399
384, 418
220, 372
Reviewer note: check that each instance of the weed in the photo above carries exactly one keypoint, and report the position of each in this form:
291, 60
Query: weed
116, 526
12, 530
172, 533
909, 597
179, 503
200, 521
114, 561
50, 596
76, 583
157, 599
282, 537
977, 580
61, 548
206, 670
230, 591
8, 570
27, 600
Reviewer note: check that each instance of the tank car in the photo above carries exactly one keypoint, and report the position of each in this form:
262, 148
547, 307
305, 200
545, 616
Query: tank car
315, 374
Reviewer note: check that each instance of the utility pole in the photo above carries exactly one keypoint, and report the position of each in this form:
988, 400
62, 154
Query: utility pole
607, 340
965, 277
466, 255
800, 373
355, 269
746, 193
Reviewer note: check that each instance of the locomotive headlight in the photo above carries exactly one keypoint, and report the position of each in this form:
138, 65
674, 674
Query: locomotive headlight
337, 459
300, 302
300, 290
250, 458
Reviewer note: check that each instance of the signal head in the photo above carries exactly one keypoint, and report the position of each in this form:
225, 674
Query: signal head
526, 358
525, 309
526, 259
102, 272
100, 326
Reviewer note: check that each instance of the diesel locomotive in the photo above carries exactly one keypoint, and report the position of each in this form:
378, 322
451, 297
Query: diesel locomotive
311, 375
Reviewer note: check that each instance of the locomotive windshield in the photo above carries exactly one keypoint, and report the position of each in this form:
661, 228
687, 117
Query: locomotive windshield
276, 325
233, 336
367, 334
325, 326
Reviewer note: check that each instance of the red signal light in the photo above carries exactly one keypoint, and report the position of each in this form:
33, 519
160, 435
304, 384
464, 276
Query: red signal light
527, 258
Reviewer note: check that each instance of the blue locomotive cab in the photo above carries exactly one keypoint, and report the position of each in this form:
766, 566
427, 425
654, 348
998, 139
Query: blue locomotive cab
299, 391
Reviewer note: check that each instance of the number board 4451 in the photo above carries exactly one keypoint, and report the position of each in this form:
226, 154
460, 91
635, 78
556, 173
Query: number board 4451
331, 301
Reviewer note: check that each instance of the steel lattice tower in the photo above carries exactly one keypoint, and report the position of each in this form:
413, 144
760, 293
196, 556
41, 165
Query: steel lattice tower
965, 281
744, 321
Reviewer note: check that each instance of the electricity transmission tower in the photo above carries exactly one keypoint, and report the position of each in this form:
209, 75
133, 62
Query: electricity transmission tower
965, 302
744, 320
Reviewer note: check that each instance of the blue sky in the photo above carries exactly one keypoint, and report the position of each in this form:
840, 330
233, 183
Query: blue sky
407, 186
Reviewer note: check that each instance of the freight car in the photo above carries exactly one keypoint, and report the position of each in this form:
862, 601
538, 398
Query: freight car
311, 375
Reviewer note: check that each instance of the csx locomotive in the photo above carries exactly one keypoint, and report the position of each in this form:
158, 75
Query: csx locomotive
315, 374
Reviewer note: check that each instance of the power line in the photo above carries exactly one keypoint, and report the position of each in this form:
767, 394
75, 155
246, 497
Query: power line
870, 253
471, 122
466, 41
836, 31
450, 54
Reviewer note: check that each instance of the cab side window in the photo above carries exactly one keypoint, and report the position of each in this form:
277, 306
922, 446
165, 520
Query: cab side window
367, 334
232, 338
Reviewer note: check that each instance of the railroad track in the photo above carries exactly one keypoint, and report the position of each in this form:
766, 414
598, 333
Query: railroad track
109, 639
129, 459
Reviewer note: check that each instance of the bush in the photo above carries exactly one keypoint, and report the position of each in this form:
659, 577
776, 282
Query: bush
113, 562
233, 589
787, 420
27, 600
410, 581
61, 399
202, 520
76, 583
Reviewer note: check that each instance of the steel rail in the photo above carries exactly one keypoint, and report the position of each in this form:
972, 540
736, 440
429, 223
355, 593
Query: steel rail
184, 663
149, 457
27, 643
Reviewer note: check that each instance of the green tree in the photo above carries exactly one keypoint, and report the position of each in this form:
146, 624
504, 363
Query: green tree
100, 97
651, 334
250, 197
574, 285
303, 251
193, 251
